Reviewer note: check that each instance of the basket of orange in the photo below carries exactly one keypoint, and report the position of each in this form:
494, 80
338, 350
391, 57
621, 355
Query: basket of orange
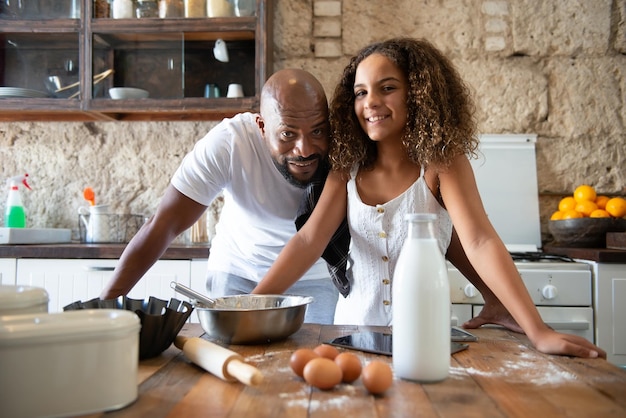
584, 218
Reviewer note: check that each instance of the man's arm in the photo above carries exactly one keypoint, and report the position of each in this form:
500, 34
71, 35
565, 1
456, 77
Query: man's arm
175, 214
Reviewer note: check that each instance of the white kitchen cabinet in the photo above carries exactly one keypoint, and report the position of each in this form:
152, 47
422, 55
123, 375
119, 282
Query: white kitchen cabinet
71, 280
7, 270
198, 281
610, 304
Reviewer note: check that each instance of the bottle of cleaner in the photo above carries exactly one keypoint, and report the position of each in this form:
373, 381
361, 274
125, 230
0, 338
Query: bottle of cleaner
421, 305
15, 215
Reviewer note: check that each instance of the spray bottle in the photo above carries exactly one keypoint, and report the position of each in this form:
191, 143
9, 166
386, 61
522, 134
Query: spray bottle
15, 216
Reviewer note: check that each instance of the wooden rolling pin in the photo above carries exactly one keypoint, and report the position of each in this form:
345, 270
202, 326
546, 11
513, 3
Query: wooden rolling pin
221, 362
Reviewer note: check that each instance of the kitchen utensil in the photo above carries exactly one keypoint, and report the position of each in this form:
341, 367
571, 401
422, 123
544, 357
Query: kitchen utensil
192, 294
248, 319
585, 232
122, 227
235, 90
89, 196
95, 220
96, 79
119, 93
254, 319
223, 363
220, 52
7, 92
160, 320
68, 363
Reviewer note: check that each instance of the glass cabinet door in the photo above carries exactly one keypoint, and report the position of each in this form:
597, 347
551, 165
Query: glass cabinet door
35, 66
40, 9
171, 65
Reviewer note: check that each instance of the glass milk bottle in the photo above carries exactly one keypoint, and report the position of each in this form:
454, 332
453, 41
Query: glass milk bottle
421, 305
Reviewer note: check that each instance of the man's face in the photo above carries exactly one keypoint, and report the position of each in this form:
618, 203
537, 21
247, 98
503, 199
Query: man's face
298, 141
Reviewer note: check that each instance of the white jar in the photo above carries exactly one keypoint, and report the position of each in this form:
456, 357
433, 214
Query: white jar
18, 300
68, 363
122, 9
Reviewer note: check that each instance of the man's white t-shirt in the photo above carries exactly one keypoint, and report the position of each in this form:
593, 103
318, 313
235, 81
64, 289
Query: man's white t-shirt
260, 206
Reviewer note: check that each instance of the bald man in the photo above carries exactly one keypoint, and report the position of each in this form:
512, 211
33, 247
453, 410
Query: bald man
262, 164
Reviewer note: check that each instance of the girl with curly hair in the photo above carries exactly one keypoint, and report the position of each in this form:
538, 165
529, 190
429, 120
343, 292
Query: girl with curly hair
403, 133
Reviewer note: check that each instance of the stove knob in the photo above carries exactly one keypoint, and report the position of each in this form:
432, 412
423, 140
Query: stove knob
470, 291
549, 291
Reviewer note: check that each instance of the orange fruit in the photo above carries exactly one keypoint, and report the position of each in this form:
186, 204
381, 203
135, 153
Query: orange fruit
601, 201
616, 207
599, 213
556, 216
572, 214
567, 203
584, 192
586, 207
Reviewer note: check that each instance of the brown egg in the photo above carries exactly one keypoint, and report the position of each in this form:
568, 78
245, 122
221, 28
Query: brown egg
325, 350
377, 377
350, 366
323, 373
300, 358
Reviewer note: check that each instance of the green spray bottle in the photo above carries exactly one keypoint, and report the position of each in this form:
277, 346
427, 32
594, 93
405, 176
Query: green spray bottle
15, 215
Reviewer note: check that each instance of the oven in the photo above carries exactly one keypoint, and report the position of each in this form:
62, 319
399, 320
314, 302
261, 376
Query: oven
561, 290
560, 287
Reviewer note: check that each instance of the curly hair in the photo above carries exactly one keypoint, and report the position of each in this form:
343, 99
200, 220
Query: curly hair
440, 123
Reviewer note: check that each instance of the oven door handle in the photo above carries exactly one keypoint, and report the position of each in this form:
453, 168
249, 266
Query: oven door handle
568, 325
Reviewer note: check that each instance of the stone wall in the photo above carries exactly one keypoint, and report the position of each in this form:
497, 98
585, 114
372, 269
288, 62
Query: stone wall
555, 68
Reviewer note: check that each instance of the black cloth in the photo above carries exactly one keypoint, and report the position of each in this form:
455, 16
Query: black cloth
336, 253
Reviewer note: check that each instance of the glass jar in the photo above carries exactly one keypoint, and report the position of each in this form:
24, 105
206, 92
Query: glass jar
75, 9
146, 8
171, 8
122, 9
101, 9
195, 8
12, 9
245, 7
219, 8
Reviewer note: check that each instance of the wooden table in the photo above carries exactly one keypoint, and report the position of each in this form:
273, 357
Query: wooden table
499, 375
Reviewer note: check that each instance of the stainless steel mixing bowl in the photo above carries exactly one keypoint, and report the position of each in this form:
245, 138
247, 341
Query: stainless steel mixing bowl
253, 319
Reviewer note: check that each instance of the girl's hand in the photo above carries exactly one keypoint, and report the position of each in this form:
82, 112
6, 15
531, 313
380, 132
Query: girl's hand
552, 342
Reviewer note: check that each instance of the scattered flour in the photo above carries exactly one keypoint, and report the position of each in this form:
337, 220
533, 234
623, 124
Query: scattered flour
523, 370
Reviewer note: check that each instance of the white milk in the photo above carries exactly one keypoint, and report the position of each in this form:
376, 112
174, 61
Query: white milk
421, 306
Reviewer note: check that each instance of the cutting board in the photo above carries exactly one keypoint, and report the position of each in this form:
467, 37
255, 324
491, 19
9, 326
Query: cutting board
616, 240
35, 235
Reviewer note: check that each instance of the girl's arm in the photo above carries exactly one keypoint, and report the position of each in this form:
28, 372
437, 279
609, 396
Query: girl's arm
308, 244
492, 261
